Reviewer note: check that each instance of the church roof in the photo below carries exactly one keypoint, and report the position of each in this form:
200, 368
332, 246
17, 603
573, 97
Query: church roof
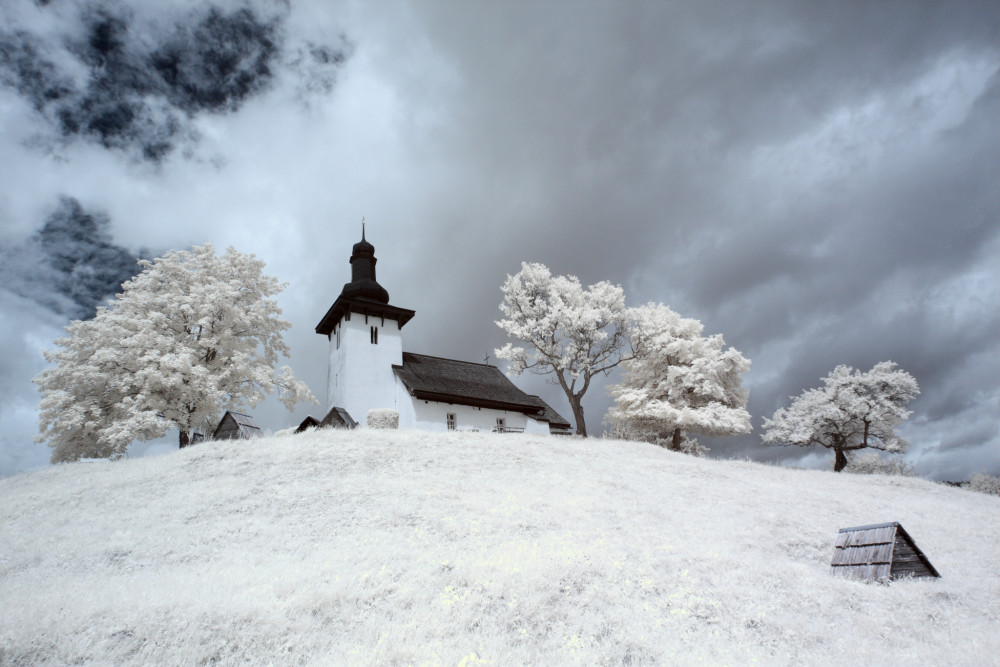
550, 415
467, 383
344, 306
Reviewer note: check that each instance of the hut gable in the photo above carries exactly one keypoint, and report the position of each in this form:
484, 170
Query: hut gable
236, 426
308, 422
338, 418
879, 552
335, 418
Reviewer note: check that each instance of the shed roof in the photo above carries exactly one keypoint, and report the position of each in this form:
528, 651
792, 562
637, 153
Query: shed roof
308, 422
338, 418
245, 426
879, 552
468, 383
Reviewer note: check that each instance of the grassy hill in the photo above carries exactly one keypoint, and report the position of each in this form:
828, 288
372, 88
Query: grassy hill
412, 548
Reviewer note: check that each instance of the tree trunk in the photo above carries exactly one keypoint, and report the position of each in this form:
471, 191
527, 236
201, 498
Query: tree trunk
581, 425
841, 461
185, 438
675, 441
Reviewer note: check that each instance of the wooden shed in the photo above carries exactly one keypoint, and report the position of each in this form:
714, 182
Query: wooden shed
236, 426
308, 422
336, 418
879, 552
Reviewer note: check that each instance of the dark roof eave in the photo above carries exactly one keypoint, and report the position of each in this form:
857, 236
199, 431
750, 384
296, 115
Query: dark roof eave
363, 307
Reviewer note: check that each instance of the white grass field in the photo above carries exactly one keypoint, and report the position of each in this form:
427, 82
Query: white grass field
385, 548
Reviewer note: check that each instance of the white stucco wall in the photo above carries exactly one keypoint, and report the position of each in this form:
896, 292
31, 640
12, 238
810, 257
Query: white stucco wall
360, 374
433, 416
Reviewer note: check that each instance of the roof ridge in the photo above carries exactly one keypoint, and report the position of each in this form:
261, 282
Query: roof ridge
457, 361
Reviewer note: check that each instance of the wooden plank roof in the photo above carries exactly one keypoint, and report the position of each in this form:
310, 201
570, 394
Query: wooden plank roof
245, 426
879, 552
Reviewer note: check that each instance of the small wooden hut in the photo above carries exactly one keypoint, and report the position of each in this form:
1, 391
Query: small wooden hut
236, 426
879, 552
335, 418
308, 422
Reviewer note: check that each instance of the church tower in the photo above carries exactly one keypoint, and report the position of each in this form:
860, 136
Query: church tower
365, 335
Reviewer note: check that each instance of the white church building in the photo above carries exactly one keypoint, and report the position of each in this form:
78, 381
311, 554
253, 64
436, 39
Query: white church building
369, 370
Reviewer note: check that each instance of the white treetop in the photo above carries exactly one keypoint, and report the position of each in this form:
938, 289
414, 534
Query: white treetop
853, 410
571, 332
192, 335
680, 382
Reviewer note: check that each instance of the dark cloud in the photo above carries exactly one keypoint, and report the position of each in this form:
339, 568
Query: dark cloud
71, 265
140, 86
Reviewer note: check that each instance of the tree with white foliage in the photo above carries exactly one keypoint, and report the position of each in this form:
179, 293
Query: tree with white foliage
853, 410
679, 382
192, 335
571, 333
984, 483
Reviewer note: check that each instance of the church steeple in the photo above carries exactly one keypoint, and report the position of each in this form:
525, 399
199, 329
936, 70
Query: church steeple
363, 295
363, 284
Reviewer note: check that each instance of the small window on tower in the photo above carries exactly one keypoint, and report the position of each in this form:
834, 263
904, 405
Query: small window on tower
452, 422
374, 335
338, 337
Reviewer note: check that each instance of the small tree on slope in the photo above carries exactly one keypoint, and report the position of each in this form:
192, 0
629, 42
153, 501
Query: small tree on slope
573, 333
853, 410
192, 334
679, 382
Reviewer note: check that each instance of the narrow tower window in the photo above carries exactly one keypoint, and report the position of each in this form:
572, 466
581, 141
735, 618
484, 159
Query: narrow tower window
374, 335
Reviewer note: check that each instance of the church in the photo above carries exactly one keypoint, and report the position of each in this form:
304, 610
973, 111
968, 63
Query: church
368, 369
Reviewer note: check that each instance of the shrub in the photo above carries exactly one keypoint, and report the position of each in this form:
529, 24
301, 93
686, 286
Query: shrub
383, 418
985, 484
870, 463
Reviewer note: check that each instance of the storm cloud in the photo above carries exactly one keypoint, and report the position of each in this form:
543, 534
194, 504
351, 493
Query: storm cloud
815, 181
133, 82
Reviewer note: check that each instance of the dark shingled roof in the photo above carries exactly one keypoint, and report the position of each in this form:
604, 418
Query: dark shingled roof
550, 415
468, 383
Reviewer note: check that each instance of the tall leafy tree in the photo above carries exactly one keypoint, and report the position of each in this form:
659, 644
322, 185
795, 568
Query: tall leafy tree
570, 332
853, 410
193, 334
679, 382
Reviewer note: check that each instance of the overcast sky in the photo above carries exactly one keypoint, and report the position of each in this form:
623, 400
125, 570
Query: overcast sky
819, 182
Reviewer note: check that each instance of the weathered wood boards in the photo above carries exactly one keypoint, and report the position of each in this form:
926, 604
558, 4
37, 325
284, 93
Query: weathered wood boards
879, 552
235, 426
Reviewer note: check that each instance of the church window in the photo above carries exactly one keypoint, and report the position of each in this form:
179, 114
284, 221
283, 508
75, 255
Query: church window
374, 335
500, 424
452, 422
338, 337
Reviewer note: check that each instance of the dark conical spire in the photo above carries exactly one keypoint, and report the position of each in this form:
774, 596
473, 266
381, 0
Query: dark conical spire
363, 284
363, 294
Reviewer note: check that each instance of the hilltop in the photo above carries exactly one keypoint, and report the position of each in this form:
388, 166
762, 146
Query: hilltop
376, 547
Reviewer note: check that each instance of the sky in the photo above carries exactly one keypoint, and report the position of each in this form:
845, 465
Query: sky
818, 182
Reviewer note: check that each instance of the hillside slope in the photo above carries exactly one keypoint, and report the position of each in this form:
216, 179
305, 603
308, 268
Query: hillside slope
412, 548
